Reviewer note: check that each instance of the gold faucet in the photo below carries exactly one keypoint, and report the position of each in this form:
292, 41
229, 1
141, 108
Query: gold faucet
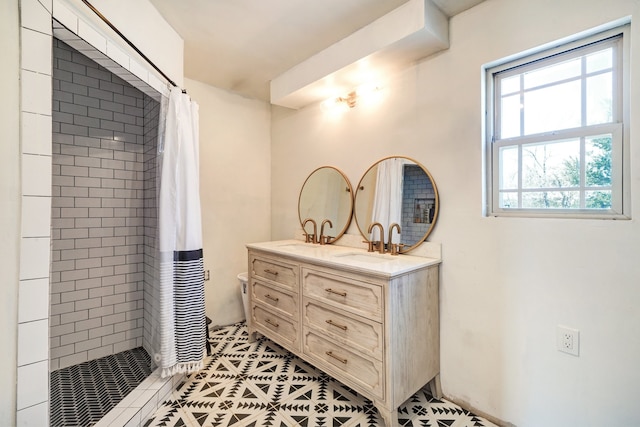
324, 239
394, 248
310, 238
380, 246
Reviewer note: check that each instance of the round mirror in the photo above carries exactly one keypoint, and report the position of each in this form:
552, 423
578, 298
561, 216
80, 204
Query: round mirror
326, 195
397, 190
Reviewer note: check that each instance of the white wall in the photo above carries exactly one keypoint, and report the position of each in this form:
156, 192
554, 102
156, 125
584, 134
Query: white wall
234, 190
506, 282
10, 213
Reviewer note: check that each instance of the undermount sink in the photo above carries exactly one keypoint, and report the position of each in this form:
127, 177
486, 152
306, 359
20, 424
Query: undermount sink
364, 257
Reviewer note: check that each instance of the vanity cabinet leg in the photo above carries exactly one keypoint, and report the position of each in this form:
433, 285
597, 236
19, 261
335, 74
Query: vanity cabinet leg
436, 388
390, 418
253, 335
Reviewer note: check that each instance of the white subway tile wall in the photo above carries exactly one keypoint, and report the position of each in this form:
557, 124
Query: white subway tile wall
30, 389
36, 15
98, 209
36, 139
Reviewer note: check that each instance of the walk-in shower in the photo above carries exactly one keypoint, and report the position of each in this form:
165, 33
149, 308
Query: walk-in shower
103, 218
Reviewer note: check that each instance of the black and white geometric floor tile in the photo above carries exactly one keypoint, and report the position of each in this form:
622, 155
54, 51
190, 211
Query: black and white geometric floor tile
82, 394
261, 384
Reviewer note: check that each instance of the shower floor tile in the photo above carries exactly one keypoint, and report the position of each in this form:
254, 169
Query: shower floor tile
261, 384
82, 394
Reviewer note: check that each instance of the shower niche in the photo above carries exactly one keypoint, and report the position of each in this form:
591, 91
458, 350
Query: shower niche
423, 210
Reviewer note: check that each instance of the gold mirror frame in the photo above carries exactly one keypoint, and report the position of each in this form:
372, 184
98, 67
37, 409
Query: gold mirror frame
326, 194
363, 218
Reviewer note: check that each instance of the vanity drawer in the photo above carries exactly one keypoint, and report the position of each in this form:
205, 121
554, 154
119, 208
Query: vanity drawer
275, 271
279, 300
348, 294
353, 368
354, 332
269, 324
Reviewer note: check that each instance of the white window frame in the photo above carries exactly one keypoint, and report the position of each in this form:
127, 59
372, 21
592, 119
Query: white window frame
620, 208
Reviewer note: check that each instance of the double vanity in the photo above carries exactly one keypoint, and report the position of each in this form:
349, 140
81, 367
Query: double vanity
369, 320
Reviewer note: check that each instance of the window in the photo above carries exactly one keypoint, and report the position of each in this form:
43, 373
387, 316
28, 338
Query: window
556, 133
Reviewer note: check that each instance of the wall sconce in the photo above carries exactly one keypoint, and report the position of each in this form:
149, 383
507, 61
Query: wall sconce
350, 100
366, 93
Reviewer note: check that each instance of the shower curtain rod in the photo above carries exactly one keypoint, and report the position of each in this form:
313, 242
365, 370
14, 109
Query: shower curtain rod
130, 43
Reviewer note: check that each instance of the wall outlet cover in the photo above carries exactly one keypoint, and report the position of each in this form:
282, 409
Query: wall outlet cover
568, 340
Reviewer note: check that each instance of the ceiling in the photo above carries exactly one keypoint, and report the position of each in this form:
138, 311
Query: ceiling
241, 45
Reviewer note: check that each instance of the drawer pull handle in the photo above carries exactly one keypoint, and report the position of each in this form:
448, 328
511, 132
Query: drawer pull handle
331, 291
274, 299
340, 359
275, 273
332, 323
271, 322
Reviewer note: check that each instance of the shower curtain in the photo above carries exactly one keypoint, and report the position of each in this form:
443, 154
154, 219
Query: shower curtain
387, 201
181, 335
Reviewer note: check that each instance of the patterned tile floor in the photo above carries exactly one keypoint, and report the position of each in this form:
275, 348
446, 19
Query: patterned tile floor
260, 384
82, 394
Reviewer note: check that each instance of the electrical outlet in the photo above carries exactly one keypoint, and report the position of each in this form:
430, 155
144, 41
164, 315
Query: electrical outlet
568, 340
206, 275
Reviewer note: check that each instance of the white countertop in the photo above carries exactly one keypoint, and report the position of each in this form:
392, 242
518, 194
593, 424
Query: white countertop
354, 259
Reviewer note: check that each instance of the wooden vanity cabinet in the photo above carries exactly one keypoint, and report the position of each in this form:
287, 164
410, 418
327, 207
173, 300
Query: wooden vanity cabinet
376, 333
274, 295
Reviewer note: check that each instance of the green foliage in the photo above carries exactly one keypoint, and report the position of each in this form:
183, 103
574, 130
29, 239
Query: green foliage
598, 173
567, 175
599, 168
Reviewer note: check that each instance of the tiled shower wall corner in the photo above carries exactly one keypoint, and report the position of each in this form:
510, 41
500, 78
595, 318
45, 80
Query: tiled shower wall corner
98, 211
151, 315
416, 185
